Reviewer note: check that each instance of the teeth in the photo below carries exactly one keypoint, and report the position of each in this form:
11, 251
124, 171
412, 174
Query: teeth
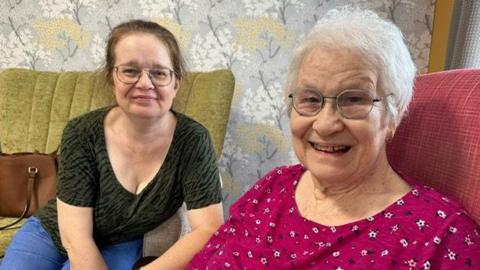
330, 149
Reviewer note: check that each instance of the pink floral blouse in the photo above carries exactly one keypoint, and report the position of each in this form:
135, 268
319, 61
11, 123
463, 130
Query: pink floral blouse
422, 230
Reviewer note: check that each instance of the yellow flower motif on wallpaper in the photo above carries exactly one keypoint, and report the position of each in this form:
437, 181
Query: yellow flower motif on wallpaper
61, 33
261, 139
259, 33
183, 37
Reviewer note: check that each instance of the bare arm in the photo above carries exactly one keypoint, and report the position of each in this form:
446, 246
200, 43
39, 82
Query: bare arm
204, 222
76, 232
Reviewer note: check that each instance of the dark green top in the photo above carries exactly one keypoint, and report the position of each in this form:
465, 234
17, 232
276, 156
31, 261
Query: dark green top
85, 178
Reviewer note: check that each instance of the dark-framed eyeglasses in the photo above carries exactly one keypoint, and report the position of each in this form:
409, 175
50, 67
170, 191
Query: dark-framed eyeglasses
128, 74
351, 103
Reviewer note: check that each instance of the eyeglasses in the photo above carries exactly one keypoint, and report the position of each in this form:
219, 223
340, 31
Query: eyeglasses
351, 104
131, 75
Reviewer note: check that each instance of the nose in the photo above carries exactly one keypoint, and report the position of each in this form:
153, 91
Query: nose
328, 121
144, 80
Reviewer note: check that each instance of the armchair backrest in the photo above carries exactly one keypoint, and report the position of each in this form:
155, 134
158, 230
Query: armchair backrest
438, 143
36, 105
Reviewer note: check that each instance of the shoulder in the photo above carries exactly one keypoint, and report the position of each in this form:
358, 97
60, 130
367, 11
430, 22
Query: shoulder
434, 213
188, 127
277, 183
428, 198
89, 120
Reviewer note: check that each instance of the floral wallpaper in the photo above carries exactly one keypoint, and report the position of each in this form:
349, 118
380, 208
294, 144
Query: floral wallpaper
253, 38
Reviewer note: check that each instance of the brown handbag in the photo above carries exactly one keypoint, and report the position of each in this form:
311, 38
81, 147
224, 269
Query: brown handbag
27, 183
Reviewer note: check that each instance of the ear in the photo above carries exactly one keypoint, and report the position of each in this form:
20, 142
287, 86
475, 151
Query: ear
176, 87
390, 131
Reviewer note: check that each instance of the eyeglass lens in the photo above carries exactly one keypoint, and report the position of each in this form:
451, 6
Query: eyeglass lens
131, 75
352, 104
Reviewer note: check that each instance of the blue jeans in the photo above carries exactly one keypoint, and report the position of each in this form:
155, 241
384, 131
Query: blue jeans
32, 248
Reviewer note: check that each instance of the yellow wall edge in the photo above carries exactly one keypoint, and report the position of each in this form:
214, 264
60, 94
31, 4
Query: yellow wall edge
441, 29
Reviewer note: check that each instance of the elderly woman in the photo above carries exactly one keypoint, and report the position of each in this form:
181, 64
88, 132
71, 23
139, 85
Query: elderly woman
344, 207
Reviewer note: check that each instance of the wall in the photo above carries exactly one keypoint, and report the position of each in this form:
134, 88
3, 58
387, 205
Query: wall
254, 38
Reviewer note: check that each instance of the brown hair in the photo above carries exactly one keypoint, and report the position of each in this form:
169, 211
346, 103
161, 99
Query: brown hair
140, 26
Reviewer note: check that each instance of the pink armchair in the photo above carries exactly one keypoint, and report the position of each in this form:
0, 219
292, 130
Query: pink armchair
438, 143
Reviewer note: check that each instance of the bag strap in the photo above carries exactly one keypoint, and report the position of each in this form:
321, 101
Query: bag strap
32, 173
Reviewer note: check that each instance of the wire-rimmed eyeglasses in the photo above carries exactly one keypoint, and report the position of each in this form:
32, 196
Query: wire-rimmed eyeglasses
130, 75
351, 104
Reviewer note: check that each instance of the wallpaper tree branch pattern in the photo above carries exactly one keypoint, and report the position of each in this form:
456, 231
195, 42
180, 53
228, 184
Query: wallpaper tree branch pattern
253, 38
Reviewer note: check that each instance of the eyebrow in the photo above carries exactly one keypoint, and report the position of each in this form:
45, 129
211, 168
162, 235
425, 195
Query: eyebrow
135, 64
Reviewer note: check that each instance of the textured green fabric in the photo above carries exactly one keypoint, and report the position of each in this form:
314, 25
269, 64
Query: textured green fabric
36, 105
86, 178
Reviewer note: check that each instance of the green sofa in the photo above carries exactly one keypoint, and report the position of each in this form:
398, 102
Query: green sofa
36, 105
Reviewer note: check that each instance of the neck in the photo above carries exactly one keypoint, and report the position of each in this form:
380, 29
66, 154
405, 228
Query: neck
380, 180
142, 130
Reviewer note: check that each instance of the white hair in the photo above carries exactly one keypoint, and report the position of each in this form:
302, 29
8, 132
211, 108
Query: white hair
378, 40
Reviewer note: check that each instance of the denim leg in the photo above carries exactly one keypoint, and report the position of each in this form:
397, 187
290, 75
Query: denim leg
124, 255
32, 248
120, 256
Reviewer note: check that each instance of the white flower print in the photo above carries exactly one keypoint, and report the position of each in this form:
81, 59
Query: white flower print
384, 253
370, 218
395, 227
404, 242
452, 229
421, 223
264, 261
257, 239
292, 234
293, 255
388, 215
372, 234
336, 253
235, 254
306, 237
279, 171
266, 210
255, 201
415, 192
333, 229
258, 221
269, 239
339, 268
400, 202
452, 256
315, 230
249, 254
412, 263
271, 224
354, 228
246, 233
441, 214
227, 265
445, 199
437, 240
468, 241
291, 210
276, 253
426, 265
